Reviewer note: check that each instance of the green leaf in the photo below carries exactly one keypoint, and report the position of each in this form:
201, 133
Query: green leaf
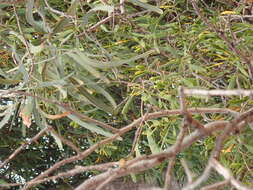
249, 147
26, 112
7, 115
100, 90
127, 105
92, 127
34, 49
58, 141
39, 26
232, 82
95, 101
152, 144
63, 22
9, 81
84, 60
147, 6
197, 68
87, 66
3, 182
102, 7
243, 71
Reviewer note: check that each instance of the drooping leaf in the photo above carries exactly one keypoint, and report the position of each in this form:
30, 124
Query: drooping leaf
84, 59
58, 141
147, 6
100, 90
127, 105
39, 26
7, 115
33, 49
64, 21
9, 81
91, 127
87, 66
95, 101
26, 112
151, 142
102, 7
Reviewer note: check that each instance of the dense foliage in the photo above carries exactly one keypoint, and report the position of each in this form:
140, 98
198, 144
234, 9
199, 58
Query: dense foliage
65, 63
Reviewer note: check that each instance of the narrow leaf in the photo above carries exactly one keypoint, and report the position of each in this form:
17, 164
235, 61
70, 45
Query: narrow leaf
7, 116
147, 6
100, 90
39, 26
26, 112
109, 64
152, 144
102, 7
95, 101
87, 66
91, 127
58, 141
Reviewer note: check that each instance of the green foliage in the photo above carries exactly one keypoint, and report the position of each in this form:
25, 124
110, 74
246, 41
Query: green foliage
111, 72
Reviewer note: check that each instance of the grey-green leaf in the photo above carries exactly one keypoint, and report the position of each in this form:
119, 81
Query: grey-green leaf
152, 144
7, 115
91, 127
147, 6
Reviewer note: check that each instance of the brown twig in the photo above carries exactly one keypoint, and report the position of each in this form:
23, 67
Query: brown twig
56, 11
65, 107
145, 162
28, 142
216, 186
202, 92
228, 176
65, 141
187, 170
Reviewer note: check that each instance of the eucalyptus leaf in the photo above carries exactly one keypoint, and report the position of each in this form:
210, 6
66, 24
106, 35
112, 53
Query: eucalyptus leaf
39, 26
147, 6
91, 127
7, 115
58, 141
87, 66
95, 101
84, 59
100, 90
152, 144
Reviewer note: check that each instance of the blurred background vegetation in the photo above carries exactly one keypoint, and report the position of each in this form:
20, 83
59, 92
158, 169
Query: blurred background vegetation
114, 65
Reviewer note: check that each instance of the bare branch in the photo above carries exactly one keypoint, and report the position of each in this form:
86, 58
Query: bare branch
228, 176
216, 185
187, 170
200, 92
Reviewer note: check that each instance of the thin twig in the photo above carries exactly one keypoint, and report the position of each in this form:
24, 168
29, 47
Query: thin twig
65, 107
216, 186
187, 170
25, 41
28, 142
228, 176
200, 92
56, 11
65, 141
